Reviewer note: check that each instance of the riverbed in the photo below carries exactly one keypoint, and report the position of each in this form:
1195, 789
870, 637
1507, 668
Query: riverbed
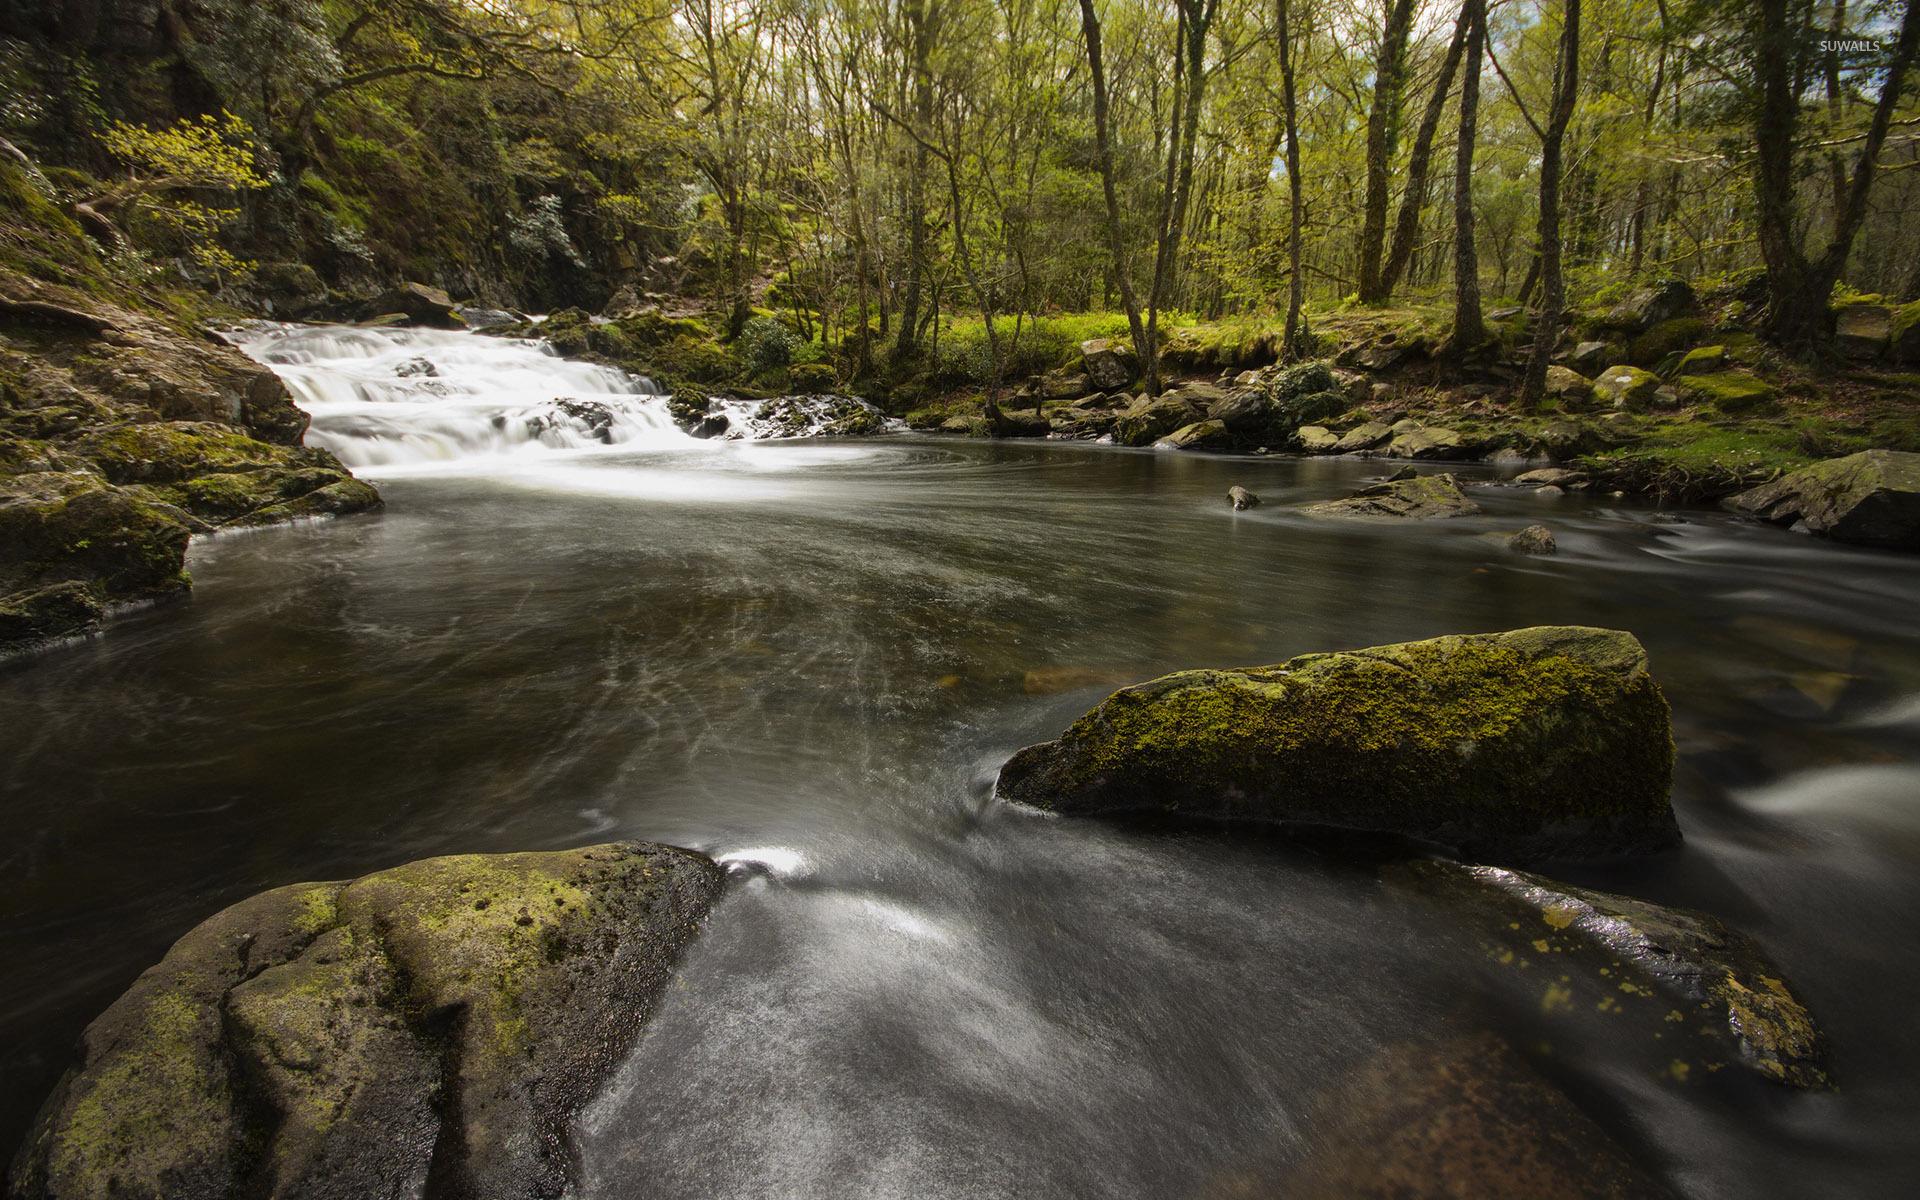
808, 657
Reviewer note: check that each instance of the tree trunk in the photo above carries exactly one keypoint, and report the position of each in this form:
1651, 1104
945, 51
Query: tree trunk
1407, 227
1553, 291
921, 24
1103, 142
1469, 330
1296, 208
1383, 139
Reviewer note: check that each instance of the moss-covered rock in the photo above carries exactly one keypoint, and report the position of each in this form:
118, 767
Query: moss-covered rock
1626, 387
1728, 391
345, 1040
1702, 360
1538, 743
1667, 337
1420, 498
1151, 418
1200, 435
1870, 499
1427, 442
71, 545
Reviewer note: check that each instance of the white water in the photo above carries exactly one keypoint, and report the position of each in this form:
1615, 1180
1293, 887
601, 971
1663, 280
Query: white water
414, 399
402, 401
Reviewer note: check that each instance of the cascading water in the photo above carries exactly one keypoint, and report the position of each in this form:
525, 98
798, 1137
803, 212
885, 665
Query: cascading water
387, 399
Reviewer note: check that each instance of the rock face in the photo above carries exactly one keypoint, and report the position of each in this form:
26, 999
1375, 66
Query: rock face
1421, 498
118, 439
1690, 956
439, 1021
1538, 743
1869, 499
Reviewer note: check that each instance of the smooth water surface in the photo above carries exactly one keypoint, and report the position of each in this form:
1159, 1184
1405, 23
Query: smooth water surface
808, 658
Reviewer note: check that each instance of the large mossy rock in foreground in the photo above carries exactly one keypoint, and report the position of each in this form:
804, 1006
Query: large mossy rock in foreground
1537, 743
1870, 499
429, 1029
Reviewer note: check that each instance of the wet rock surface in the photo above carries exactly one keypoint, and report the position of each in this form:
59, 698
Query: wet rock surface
1421, 498
1870, 499
429, 1029
118, 440
1538, 743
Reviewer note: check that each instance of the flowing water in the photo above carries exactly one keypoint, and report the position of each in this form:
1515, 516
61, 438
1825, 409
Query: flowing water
808, 658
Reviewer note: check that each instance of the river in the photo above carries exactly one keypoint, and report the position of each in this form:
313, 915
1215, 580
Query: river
808, 658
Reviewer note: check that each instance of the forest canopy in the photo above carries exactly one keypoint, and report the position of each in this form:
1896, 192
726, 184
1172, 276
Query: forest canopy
865, 170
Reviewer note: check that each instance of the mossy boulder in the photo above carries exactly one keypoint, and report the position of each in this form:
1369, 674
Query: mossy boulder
1863, 331
1365, 436
72, 545
1315, 439
420, 303
1201, 435
1420, 498
447, 1017
1668, 337
1427, 442
1626, 387
1569, 388
1110, 363
1870, 499
1703, 360
1538, 743
1728, 391
1903, 334
1150, 418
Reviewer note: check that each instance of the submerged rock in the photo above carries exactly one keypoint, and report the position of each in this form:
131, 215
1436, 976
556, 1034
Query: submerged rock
1423, 497
1537, 743
1460, 1118
445, 1018
1696, 957
1241, 498
1870, 499
1534, 540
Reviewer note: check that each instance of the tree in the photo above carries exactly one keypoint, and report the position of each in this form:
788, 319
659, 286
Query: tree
1296, 208
1383, 140
1469, 330
1799, 280
1553, 290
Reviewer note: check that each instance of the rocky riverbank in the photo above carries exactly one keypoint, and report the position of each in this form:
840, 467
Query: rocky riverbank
124, 431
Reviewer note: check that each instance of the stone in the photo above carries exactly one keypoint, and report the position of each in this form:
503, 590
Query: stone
1201, 435
1717, 975
1365, 436
1065, 384
1572, 390
1626, 388
1534, 539
1427, 442
1702, 360
1423, 497
1668, 339
1016, 423
1590, 358
341, 1040
1903, 343
1556, 476
1653, 305
1564, 440
1869, 499
1316, 439
1148, 419
1862, 331
1728, 391
1549, 742
1242, 499
419, 303
1461, 1117
1109, 362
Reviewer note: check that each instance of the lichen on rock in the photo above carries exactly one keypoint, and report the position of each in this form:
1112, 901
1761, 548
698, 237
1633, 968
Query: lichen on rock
1538, 743
445, 1018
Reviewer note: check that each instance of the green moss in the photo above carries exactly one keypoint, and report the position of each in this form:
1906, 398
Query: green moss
1498, 740
1668, 337
1728, 391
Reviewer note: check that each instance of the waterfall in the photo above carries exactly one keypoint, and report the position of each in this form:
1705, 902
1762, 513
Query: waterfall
401, 398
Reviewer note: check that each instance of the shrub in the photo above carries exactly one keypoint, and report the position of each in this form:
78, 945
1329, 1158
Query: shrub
766, 345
